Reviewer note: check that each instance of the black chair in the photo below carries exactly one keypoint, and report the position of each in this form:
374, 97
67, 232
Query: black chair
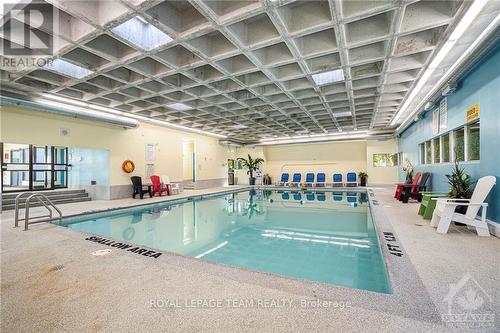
415, 191
139, 188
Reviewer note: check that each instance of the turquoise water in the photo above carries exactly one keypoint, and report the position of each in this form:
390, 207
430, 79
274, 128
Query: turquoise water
320, 236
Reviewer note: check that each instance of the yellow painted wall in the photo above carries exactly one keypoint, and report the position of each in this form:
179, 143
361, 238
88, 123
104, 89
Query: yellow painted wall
211, 157
381, 175
330, 158
241, 175
20, 125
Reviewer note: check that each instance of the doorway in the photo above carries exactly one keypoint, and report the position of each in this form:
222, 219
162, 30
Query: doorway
27, 167
189, 160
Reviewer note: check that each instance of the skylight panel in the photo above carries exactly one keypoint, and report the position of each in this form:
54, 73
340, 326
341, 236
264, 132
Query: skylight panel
328, 77
179, 106
342, 114
67, 68
141, 33
239, 126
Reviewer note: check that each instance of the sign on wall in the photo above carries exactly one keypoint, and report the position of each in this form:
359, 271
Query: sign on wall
150, 152
472, 113
443, 115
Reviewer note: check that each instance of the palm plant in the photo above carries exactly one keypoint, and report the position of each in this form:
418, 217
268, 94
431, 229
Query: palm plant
460, 183
363, 176
252, 165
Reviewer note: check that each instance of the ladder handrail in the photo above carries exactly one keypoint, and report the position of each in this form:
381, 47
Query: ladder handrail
16, 207
40, 197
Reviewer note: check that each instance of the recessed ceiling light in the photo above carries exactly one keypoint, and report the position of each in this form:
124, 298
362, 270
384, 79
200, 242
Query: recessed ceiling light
67, 68
239, 126
336, 75
342, 114
141, 33
179, 106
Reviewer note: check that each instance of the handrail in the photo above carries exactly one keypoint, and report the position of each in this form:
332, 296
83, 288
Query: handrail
16, 207
48, 204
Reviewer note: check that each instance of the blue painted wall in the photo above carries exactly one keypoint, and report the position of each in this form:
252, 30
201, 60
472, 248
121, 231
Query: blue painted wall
481, 86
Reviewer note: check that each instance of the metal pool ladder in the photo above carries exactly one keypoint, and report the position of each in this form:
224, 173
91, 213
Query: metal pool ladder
43, 200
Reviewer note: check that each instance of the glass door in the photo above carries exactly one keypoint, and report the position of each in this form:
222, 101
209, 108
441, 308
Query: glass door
33, 167
15, 167
42, 167
60, 167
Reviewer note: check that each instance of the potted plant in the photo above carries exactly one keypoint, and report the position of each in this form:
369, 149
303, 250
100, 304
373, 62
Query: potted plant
252, 165
363, 176
460, 186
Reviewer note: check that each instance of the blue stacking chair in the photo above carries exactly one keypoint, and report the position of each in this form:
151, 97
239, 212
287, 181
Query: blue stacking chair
351, 179
337, 180
296, 179
285, 196
320, 180
309, 179
310, 196
297, 196
284, 179
321, 196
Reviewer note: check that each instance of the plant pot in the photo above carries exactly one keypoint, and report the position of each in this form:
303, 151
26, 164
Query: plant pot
362, 182
251, 180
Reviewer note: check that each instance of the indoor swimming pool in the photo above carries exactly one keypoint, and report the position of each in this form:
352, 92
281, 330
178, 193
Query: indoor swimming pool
323, 236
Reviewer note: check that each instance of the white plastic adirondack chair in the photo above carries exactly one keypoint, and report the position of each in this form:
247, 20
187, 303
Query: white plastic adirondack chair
165, 180
444, 213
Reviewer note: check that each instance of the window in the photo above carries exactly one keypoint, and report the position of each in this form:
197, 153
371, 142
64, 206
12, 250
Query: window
437, 149
462, 144
428, 152
446, 148
459, 138
473, 146
383, 160
422, 153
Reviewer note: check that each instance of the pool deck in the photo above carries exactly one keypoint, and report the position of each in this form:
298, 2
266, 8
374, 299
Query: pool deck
50, 281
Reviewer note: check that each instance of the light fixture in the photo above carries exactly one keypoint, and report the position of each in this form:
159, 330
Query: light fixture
449, 89
66, 68
179, 106
336, 75
127, 115
464, 23
353, 135
141, 33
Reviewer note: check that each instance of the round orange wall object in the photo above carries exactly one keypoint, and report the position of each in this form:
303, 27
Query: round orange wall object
128, 166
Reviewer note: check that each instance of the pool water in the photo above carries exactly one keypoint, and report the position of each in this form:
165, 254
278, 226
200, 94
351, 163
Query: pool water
321, 236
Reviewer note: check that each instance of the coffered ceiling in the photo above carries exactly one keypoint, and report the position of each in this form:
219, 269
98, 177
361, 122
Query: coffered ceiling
244, 69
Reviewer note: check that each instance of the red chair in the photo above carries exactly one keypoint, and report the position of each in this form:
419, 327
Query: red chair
414, 191
157, 188
400, 186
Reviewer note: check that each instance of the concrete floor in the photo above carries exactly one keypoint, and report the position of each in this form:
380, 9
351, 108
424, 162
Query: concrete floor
51, 282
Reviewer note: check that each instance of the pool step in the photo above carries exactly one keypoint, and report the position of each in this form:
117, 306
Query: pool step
56, 196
